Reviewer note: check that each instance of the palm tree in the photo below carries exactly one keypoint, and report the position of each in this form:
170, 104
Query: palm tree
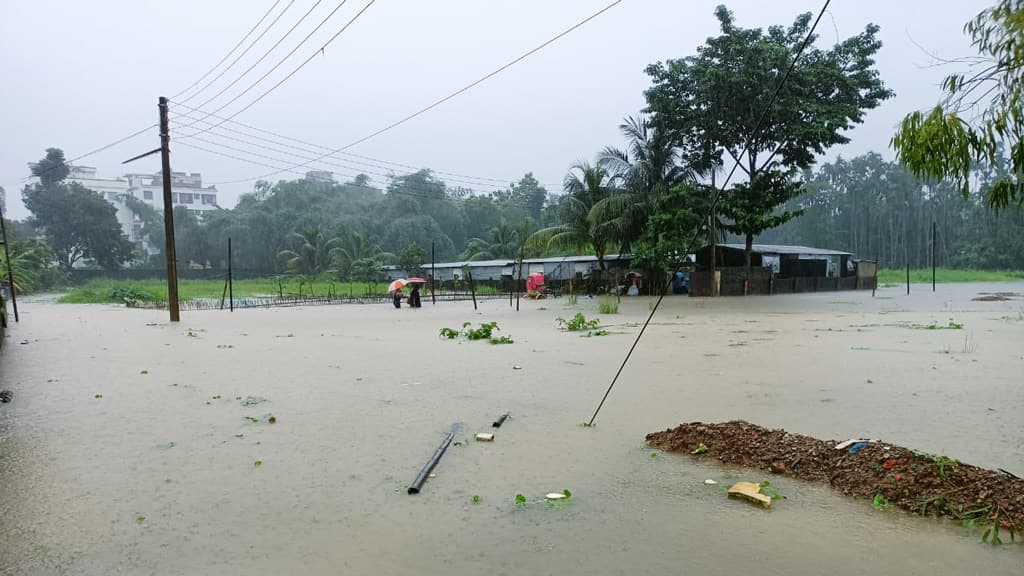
358, 248
586, 186
315, 253
640, 176
502, 242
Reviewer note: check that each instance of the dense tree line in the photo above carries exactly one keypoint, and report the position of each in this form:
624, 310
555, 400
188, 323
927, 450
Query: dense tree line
879, 210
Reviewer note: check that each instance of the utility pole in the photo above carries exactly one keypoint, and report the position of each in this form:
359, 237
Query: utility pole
522, 252
433, 275
172, 260
10, 265
231, 278
933, 255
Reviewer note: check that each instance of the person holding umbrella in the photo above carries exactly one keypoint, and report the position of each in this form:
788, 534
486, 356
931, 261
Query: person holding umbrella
396, 288
414, 297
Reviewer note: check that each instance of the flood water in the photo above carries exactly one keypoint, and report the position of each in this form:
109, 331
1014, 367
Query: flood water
159, 474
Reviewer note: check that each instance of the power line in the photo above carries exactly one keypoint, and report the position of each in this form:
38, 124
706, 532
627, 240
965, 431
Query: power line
398, 191
265, 54
501, 181
322, 147
277, 148
244, 52
230, 52
282, 61
746, 150
96, 151
449, 96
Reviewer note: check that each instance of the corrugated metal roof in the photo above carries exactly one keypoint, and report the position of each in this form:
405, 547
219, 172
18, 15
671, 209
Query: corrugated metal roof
781, 249
586, 258
470, 263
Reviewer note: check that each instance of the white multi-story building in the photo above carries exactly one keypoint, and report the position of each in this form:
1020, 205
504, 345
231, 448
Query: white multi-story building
186, 190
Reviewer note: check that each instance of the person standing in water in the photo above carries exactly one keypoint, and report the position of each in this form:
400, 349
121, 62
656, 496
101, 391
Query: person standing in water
397, 298
414, 297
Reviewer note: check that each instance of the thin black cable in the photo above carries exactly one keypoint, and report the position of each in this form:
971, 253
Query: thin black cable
449, 96
230, 52
244, 52
96, 151
265, 54
398, 191
383, 164
757, 126
358, 164
282, 61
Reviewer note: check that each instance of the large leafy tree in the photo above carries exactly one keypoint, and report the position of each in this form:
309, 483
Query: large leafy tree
585, 186
529, 194
77, 222
712, 104
981, 114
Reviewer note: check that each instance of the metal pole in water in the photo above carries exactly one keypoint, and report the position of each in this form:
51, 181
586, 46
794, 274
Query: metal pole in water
414, 488
933, 255
231, 279
10, 266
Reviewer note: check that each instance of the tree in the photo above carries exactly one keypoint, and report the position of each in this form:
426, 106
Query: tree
712, 105
675, 223
410, 260
77, 222
30, 263
979, 115
503, 242
314, 252
358, 255
51, 169
585, 187
529, 193
641, 175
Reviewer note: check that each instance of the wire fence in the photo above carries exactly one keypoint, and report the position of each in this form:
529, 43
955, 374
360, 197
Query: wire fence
197, 304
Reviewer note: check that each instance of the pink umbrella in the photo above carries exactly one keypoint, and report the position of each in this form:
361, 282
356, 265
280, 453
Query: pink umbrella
416, 281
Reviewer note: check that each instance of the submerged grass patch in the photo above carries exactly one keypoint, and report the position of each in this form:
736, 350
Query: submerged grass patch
109, 291
896, 277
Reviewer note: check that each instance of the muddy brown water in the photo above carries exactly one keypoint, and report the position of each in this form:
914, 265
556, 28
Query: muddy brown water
153, 477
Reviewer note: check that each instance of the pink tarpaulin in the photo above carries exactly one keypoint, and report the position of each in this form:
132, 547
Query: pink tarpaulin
534, 280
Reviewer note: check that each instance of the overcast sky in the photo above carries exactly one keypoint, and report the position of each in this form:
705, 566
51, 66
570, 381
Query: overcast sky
79, 75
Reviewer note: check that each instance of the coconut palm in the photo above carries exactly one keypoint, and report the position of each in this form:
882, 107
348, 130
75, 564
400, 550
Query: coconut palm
639, 176
29, 261
315, 253
585, 186
358, 248
502, 242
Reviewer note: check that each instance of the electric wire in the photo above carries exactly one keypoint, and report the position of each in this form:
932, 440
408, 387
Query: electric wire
230, 52
444, 99
265, 54
282, 61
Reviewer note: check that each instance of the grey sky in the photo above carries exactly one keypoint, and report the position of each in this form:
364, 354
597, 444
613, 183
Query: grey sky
78, 75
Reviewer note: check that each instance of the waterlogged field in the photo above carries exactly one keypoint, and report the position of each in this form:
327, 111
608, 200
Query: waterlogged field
946, 275
282, 440
112, 291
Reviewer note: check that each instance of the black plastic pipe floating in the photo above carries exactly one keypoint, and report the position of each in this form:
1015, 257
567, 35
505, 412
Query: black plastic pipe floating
414, 488
500, 421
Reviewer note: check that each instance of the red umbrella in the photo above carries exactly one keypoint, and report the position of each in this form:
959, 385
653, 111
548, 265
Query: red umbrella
416, 281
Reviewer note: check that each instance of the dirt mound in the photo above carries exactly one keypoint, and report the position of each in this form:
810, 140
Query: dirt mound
925, 484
